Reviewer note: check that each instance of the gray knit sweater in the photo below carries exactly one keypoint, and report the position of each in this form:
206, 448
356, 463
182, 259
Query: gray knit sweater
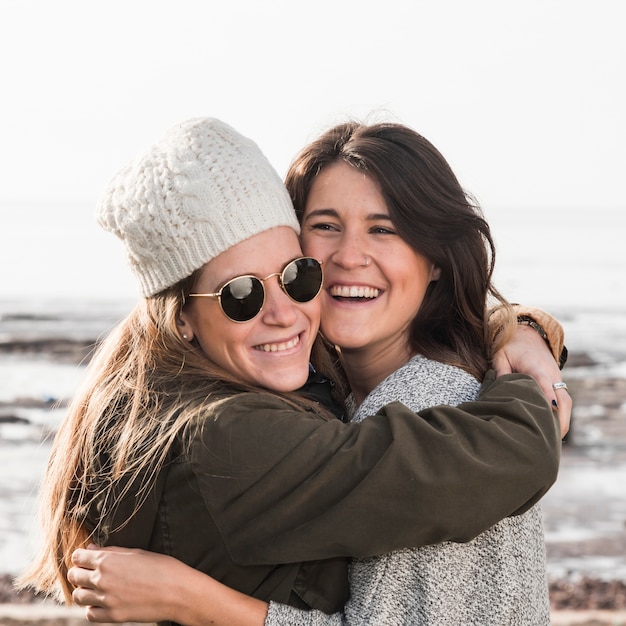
498, 579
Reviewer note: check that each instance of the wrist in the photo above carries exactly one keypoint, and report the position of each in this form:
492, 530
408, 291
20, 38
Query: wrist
559, 352
201, 600
526, 319
182, 596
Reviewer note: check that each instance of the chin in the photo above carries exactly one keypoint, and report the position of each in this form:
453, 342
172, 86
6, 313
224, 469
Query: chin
347, 340
287, 380
340, 333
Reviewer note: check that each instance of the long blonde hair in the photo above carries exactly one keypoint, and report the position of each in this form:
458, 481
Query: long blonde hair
143, 388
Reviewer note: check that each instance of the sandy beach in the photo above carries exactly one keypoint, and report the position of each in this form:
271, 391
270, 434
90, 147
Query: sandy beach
585, 512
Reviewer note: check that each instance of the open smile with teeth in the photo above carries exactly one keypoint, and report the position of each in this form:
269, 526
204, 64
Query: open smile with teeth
353, 291
279, 347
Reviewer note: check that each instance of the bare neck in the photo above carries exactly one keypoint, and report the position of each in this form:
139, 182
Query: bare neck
367, 367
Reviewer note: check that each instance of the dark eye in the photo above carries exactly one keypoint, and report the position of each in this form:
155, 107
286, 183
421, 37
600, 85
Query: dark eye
322, 226
382, 230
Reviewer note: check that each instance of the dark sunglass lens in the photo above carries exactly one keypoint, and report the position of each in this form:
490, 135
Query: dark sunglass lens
302, 279
242, 298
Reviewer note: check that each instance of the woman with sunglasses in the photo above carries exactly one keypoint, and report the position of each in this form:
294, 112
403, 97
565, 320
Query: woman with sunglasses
189, 439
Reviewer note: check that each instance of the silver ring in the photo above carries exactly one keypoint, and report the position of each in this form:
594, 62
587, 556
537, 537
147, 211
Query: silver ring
367, 261
556, 386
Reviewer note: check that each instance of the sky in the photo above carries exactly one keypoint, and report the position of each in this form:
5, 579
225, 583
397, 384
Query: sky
525, 100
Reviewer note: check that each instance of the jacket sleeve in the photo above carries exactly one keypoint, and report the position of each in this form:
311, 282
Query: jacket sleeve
285, 486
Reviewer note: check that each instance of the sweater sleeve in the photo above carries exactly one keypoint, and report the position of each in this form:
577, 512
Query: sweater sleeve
286, 486
283, 615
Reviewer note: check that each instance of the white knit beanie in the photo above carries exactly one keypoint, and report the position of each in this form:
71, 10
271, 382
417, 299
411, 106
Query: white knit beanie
200, 190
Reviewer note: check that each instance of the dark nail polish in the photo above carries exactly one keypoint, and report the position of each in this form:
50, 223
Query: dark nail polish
554, 404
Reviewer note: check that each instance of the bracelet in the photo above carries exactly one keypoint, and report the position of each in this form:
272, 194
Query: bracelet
526, 319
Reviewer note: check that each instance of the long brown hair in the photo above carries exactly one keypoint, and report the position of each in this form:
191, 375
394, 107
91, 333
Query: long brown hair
144, 387
435, 216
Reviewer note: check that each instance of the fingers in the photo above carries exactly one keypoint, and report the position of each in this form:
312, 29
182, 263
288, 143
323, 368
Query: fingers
559, 399
87, 597
563, 402
98, 614
501, 364
80, 577
102, 614
96, 602
85, 558
85, 576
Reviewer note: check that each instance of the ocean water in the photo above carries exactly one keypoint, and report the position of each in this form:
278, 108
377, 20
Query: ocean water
572, 265
561, 259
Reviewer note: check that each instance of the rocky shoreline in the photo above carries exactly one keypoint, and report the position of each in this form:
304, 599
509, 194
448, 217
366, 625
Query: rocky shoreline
60, 350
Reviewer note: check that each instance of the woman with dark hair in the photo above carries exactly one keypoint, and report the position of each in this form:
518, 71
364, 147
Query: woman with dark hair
383, 203
408, 261
433, 215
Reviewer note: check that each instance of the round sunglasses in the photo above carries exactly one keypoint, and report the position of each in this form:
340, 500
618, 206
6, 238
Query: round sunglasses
242, 297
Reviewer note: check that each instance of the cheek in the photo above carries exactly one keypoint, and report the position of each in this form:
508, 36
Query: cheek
415, 291
317, 247
220, 339
314, 313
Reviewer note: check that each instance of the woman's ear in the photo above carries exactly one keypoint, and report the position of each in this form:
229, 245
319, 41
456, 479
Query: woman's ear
435, 273
184, 327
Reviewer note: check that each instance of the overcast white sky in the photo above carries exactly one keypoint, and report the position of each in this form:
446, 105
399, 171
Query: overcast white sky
525, 99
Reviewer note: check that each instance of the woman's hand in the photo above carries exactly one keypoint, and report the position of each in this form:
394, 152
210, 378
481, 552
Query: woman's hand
124, 585
129, 585
527, 353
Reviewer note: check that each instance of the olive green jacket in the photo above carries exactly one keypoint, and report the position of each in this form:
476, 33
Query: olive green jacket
272, 500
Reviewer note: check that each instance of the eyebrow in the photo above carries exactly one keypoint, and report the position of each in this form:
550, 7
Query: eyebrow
334, 213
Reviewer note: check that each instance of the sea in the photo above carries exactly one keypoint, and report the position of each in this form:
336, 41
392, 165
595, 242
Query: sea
572, 264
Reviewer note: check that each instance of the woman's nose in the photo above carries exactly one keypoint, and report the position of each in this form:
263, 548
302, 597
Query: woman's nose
350, 252
278, 309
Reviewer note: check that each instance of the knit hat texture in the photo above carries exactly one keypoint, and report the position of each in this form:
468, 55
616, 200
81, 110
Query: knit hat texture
199, 191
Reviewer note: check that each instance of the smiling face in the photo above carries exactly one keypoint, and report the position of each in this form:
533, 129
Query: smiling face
374, 282
273, 349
